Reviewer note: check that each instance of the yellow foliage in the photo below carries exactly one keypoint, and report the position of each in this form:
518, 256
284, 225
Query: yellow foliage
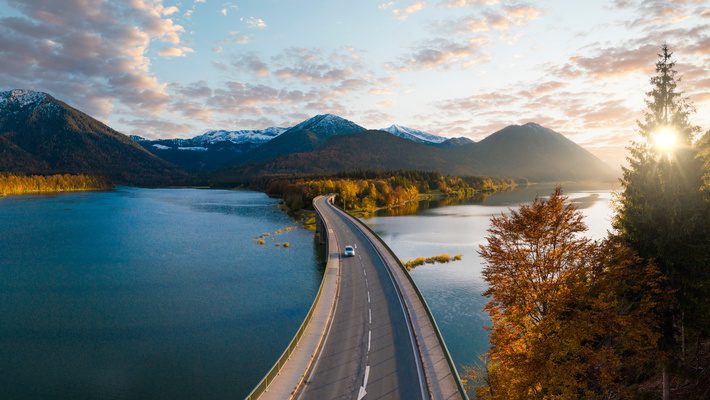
19, 184
441, 258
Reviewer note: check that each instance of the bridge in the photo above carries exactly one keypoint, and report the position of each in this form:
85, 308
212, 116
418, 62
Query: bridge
369, 333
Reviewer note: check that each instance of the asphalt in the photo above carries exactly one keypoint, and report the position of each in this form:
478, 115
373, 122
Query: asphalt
368, 352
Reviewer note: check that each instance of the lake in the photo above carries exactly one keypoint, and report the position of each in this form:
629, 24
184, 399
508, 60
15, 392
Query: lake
147, 293
164, 293
453, 291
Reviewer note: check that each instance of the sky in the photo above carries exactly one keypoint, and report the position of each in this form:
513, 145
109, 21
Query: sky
163, 69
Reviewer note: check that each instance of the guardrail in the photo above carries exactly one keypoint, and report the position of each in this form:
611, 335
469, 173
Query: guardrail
449, 359
274, 371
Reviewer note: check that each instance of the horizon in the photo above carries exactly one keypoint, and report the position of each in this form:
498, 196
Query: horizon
442, 67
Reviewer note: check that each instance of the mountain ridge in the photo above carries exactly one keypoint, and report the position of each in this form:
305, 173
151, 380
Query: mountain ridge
43, 135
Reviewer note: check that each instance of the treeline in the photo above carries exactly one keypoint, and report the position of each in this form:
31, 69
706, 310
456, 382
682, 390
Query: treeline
362, 194
25, 184
621, 318
368, 191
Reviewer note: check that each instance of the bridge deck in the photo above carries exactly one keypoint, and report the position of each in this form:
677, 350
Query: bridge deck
379, 341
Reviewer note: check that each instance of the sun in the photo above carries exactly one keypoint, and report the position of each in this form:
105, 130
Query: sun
664, 139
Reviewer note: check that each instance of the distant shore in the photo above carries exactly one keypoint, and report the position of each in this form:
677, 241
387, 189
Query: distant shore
40, 184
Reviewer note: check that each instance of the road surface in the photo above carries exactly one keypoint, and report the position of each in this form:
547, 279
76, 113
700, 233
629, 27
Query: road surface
369, 350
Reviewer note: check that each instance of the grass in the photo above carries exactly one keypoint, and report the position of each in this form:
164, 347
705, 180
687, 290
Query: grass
440, 259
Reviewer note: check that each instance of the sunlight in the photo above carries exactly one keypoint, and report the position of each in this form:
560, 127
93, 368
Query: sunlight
664, 138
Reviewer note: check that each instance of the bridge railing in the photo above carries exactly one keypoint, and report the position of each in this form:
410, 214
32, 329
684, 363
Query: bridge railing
276, 368
440, 338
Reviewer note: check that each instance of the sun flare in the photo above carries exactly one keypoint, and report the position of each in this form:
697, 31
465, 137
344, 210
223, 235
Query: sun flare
664, 139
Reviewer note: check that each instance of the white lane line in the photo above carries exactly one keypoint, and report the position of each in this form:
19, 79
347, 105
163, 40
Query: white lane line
368, 296
362, 391
369, 339
370, 312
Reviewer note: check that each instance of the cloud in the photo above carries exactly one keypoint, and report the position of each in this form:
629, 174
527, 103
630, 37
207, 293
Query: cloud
254, 22
174, 51
467, 3
658, 12
442, 53
251, 63
403, 13
157, 128
313, 65
170, 10
227, 7
198, 89
91, 55
386, 5
238, 38
500, 20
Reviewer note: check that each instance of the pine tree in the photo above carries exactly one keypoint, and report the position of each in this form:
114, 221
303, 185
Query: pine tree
663, 210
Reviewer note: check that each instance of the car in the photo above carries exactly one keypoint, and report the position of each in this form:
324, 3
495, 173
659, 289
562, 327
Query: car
349, 251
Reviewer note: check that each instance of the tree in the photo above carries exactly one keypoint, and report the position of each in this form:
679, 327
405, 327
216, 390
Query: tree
571, 318
663, 211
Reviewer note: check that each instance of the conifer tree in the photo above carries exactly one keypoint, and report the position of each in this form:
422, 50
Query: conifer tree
663, 211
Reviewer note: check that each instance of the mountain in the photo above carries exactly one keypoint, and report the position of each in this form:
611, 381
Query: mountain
528, 151
455, 142
209, 150
306, 136
414, 134
42, 135
534, 151
255, 136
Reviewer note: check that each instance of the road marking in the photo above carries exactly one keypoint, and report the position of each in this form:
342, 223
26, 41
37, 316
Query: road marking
368, 296
369, 310
362, 391
369, 339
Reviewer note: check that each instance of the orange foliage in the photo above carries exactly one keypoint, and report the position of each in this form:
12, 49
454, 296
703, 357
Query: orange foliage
571, 318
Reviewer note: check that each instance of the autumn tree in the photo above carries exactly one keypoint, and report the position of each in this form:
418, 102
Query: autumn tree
663, 213
571, 318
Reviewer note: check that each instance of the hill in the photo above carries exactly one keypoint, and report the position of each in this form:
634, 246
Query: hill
528, 151
42, 135
535, 152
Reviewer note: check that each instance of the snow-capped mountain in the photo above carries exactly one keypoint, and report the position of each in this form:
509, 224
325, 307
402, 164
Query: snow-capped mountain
237, 137
328, 125
210, 149
40, 134
414, 134
20, 98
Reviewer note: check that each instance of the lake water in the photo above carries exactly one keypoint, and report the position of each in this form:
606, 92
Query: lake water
454, 290
147, 293
164, 294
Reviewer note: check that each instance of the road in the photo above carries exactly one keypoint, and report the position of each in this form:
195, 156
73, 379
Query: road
368, 351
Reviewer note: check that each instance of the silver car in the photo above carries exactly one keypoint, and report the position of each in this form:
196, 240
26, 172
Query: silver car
349, 251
